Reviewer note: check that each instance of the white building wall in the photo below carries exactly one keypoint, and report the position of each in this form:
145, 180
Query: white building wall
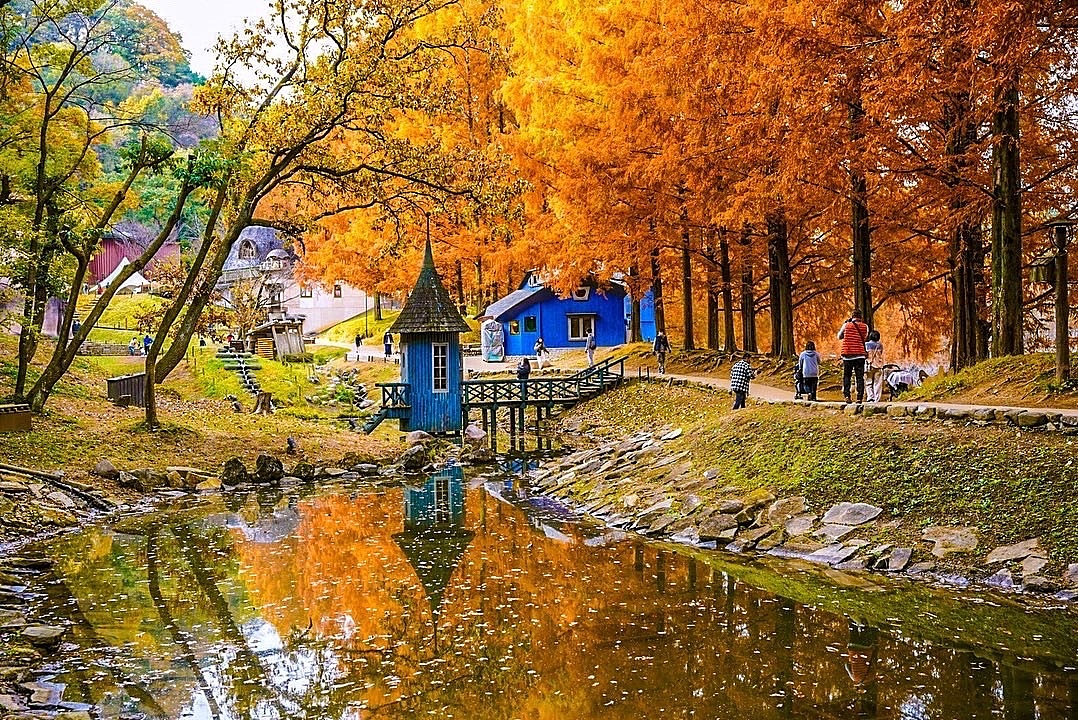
323, 309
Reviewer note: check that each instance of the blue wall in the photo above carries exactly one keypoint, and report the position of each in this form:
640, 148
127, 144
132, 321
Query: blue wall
431, 411
552, 321
647, 315
421, 504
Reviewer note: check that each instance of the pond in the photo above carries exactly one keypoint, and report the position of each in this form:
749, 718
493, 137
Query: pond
467, 599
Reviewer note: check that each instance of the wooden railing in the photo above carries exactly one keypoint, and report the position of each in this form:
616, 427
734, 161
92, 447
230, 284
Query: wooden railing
574, 388
395, 395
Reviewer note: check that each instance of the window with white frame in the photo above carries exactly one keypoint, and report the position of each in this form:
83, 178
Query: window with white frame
306, 291
337, 290
580, 326
441, 367
248, 250
582, 293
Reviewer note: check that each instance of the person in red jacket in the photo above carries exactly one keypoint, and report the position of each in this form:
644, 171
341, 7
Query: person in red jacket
853, 335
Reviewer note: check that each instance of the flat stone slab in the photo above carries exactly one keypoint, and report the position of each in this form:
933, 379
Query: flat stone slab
950, 539
899, 559
43, 635
714, 527
732, 506
1070, 575
832, 554
748, 539
1032, 565
834, 533
1001, 579
758, 498
1018, 551
786, 508
672, 435
800, 525
845, 513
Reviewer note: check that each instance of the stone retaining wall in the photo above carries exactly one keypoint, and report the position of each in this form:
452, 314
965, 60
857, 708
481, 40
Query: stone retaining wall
101, 349
1025, 419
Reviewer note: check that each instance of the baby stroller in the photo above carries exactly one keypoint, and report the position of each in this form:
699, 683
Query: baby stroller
799, 387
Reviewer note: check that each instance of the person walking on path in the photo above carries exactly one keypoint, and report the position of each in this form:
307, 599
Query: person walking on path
359, 340
741, 374
660, 348
147, 341
387, 341
874, 366
540, 351
808, 367
589, 347
854, 335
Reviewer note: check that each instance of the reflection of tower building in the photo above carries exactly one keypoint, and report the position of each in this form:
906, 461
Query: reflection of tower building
861, 666
434, 537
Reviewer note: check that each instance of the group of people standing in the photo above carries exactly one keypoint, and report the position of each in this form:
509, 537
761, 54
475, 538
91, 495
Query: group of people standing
862, 363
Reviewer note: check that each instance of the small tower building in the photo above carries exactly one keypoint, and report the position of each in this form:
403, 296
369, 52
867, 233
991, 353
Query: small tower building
432, 365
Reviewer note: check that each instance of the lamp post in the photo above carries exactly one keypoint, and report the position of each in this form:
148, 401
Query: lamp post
1060, 237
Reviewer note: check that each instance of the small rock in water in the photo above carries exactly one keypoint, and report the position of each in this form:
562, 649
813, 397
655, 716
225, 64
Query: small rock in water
1039, 583
43, 635
832, 554
1001, 579
1070, 575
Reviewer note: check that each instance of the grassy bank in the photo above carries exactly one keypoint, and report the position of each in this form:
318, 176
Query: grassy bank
199, 426
1008, 484
1023, 380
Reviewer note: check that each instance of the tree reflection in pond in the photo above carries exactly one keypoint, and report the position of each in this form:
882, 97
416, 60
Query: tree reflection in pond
433, 600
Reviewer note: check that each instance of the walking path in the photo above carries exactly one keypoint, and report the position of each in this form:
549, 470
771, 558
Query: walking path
759, 391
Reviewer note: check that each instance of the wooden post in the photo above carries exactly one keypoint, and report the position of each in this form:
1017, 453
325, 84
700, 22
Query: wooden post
1063, 350
494, 428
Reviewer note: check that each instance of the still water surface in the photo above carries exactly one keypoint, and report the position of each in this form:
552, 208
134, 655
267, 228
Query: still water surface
468, 601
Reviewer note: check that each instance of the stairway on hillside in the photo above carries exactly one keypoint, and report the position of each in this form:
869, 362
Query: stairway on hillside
243, 365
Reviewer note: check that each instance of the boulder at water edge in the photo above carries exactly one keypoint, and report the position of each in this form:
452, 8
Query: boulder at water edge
268, 469
233, 472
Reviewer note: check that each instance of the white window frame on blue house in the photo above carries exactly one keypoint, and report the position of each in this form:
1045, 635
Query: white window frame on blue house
586, 322
581, 294
439, 367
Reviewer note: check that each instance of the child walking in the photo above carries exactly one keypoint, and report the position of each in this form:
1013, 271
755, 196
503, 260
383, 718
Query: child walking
808, 367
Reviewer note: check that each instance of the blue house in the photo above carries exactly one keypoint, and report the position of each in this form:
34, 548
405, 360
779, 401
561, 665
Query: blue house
534, 310
432, 365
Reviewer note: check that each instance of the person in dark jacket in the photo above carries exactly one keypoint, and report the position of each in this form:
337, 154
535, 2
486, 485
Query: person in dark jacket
854, 335
660, 348
524, 369
387, 341
808, 368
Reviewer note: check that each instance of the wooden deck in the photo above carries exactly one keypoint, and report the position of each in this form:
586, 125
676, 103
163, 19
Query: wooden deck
490, 396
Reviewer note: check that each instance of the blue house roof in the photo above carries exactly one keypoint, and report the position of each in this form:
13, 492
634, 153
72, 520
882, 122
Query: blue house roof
525, 296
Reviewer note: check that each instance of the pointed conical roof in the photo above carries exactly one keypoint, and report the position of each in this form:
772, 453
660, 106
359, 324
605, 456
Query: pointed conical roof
429, 307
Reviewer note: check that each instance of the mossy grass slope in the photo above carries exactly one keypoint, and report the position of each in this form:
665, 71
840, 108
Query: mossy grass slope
1010, 485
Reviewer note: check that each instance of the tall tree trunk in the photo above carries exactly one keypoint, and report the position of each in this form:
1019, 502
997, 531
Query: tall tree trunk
65, 354
860, 225
635, 334
686, 282
1007, 226
712, 292
461, 300
480, 288
748, 294
657, 291
966, 250
377, 306
781, 284
729, 341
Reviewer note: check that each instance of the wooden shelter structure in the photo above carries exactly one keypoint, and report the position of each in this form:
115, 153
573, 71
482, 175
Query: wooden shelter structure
276, 338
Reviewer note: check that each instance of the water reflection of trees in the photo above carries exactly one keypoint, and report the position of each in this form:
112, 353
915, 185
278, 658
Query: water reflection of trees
334, 617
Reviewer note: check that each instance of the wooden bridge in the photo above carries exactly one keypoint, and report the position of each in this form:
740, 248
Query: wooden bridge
516, 396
